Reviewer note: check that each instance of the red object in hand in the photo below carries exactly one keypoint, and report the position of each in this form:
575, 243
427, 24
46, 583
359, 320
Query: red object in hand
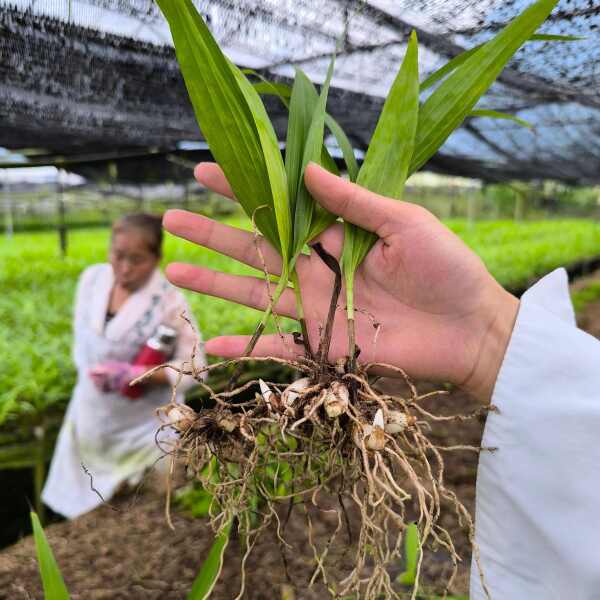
157, 350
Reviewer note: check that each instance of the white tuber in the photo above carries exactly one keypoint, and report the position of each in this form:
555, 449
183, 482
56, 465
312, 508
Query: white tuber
336, 400
292, 391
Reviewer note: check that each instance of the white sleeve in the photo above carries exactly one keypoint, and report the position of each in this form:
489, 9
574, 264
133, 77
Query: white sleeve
538, 495
189, 342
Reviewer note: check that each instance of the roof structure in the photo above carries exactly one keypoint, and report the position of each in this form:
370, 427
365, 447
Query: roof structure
88, 84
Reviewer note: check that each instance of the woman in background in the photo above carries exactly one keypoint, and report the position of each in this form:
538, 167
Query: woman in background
107, 438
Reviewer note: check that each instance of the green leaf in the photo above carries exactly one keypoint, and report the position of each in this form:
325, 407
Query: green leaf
305, 204
450, 66
211, 568
52, 580
265, 87
412, 550
462, 57
273, 160
495, 114
551, 37
273, 89
303, 101
345, 146
225, 115
385, 167
454, 99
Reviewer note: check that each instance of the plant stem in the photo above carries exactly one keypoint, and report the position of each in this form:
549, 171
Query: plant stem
349, 277
281, 286
39, 473
300, 314
333, 264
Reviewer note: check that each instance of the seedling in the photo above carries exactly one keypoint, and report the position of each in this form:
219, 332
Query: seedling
330, 435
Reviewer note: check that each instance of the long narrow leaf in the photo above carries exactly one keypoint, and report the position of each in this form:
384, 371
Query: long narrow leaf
322, 219
452, 101
345, 146
450, 66
223, 113
211, 568
551, 37
305, 205
458, 60
386, 164
267, 88
303, 101
270, 88
52, 580
273, 161
495, 114
412, 550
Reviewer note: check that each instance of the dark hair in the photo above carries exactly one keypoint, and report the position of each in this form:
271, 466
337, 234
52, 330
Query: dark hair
149, 225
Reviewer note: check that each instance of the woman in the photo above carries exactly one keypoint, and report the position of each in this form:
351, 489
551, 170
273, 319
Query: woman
108, 438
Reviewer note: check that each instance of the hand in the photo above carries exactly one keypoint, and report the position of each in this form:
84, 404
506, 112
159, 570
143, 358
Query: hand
113, 376
442, 316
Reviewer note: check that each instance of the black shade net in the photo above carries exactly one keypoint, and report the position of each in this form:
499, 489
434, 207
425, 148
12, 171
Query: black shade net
93, 85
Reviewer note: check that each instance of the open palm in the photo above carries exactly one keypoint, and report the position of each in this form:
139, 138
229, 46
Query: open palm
423, 300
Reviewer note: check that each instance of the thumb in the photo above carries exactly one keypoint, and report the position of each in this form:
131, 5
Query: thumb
354, 203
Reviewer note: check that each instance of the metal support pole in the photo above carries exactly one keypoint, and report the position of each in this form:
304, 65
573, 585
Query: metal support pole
62, 226
8, 215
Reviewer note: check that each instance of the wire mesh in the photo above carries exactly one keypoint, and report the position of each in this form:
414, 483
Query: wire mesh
98, 76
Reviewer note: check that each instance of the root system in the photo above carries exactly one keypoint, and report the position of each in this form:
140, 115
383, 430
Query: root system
327, 442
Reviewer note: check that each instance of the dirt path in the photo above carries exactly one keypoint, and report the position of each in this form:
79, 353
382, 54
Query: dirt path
132, 554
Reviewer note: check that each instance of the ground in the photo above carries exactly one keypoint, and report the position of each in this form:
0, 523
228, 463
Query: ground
130, 553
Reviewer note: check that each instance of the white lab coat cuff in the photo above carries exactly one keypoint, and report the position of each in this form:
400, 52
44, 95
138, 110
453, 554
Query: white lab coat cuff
537, 520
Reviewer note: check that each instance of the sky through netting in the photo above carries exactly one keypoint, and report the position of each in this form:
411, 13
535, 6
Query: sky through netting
98, 78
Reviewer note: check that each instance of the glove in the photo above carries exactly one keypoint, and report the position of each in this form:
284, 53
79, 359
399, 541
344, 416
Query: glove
113, 376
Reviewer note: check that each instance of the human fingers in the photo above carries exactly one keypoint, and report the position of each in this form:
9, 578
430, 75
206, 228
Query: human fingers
250, 291
211, 175
232, 346
356, 204
241, 245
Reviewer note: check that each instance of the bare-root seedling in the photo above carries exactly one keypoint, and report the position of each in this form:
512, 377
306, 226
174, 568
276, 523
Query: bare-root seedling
328, 443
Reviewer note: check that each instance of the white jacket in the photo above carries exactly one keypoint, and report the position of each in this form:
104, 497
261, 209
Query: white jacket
112, 436
538, 496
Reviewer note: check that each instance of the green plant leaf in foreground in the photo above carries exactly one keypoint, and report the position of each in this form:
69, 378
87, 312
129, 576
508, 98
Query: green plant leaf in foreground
412, 551
211, 568
224, 114
303, 101
459, 59
312, 151
345, 146
454, 99
273, 161
52, 580
386, 163
495, 114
